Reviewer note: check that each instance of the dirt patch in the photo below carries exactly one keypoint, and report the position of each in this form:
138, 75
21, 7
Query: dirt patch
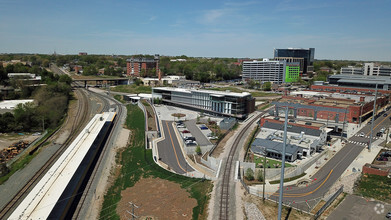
151, 117
178, 115
331, 207
7, 140
158, 199
221, 146
270, 209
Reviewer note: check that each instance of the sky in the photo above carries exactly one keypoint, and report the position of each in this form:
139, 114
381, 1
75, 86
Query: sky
337, 29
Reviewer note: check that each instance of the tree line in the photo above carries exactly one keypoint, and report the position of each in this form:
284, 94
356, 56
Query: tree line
50, 101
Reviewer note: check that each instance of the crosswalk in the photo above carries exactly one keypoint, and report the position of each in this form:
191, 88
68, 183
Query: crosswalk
358, 143
356, 135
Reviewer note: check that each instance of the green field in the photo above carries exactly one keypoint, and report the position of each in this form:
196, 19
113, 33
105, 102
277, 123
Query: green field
270, 163
132, 89
235, 89
136, 162
374, 186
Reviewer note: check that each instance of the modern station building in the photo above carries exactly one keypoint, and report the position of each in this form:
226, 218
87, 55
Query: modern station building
304, 56
230, 104
135, 66
271, 71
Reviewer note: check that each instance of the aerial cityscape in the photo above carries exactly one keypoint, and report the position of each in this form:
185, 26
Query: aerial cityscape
195, 110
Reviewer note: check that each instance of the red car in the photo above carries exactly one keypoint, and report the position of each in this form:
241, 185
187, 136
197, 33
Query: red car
185, 131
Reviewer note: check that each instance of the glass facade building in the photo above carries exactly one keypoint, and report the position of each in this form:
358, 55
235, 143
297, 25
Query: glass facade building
308, 56
221, 103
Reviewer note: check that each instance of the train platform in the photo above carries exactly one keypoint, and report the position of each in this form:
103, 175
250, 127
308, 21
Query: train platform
42, 199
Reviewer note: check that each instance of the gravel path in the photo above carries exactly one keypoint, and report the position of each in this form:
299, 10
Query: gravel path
252, 212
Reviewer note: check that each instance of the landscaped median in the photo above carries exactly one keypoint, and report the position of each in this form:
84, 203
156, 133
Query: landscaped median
133, 178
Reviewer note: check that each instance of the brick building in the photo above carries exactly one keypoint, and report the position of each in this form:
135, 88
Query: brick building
332, 106
78, 68
375, 170
139, 66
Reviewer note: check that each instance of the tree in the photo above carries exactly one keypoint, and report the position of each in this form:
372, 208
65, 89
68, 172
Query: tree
198, 150
267, 86
249, 175
65, 79
260, 176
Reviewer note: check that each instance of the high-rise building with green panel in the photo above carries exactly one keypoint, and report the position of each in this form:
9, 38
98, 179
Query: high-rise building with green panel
292, 72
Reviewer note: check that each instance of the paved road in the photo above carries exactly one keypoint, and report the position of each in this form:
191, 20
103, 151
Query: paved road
170, 152
307, 196
355, 207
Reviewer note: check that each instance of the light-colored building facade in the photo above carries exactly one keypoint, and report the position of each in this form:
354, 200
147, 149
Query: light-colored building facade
369, 69
216, 102
274, 71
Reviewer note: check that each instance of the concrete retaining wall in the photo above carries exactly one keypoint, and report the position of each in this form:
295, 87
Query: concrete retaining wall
211, 162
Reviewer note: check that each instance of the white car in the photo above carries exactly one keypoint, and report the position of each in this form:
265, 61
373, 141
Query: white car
361, 134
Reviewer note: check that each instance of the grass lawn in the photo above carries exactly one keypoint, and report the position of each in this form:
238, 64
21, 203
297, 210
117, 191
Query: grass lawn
271, 162
263, 94
234, 89
136, 162
373, 186
132, 89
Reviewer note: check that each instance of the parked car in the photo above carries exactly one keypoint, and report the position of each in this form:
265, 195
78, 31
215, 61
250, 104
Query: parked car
185, 131
388, 215
378, 134
190, 139
181, 126
385, 115
203, 128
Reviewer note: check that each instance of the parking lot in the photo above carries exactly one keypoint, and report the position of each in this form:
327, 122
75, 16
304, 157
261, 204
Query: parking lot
356, 207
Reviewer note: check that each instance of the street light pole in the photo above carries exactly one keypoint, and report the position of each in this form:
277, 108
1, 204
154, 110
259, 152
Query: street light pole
282, 166
373, 120
264, 177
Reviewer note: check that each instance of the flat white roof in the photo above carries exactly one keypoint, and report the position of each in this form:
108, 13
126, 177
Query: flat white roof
41, 200
11, 104
204, 91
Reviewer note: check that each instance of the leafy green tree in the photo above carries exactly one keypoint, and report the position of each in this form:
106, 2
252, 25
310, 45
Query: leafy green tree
260, 176
267, 86
198, 150
249, 175
65, 79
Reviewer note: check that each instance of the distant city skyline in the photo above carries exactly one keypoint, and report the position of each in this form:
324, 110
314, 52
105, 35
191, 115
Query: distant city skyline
339, 30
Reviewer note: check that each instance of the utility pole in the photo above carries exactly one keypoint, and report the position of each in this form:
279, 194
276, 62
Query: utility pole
282, 166
134, 216
373, 120
264, 176
343, 123
388, 131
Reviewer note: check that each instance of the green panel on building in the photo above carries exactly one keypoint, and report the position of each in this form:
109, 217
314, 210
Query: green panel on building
292, 73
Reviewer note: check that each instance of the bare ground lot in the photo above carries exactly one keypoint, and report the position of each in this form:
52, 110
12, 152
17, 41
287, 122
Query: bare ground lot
8, 139
157, 199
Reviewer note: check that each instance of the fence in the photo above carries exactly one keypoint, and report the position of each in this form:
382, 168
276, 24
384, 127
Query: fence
328, 202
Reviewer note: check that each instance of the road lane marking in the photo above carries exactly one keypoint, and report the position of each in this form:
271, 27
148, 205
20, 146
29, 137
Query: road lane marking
172, 142
307, 193
377, 125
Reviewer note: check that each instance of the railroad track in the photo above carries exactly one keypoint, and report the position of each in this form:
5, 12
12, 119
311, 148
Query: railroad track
82, 117
87, 190
224, 200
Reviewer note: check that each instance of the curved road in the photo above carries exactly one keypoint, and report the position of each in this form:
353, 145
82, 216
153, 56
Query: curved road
170, 151
306, 198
